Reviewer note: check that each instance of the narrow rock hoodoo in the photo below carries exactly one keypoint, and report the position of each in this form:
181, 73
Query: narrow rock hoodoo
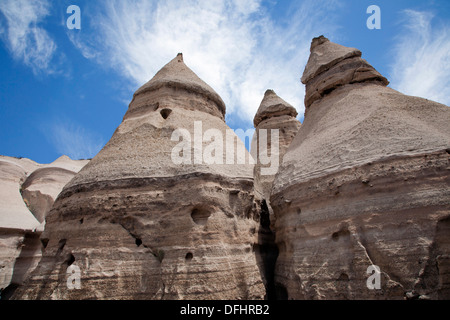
273, 114
275, 120
140, 223
364, 182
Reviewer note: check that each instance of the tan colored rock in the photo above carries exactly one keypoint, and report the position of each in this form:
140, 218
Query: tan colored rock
139, 225
331, 65
364, 182
14, 213
26, 185
273, 114
43, 185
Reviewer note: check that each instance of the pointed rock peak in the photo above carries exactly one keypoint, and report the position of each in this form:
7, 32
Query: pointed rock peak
269, 92
63, 158
176, 74
331, 66
273, 106
318, 41
324, 55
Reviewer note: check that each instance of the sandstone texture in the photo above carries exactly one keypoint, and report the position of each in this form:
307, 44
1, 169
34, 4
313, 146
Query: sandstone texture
139, 225
174, 207
273, 114
27, 192
364, 182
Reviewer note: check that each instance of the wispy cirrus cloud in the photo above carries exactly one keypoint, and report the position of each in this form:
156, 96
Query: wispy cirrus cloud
422, 57
23, 36
233, 45
73, 140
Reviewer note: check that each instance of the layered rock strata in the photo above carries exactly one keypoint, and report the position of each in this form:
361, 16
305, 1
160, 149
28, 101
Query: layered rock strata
158, 213
28, 190
275, 122
364, 182
274, 114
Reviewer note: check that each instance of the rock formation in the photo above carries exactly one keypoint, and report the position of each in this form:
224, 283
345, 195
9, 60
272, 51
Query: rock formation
27, 192
158, 213
174, 208
364, 182
273, 114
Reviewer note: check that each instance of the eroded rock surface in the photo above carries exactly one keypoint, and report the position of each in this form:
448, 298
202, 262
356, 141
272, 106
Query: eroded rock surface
273, 114
140, 225
275, 121
27, 192
364, 182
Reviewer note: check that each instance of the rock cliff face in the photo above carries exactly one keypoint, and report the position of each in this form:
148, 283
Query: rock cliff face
364, 182
27, 192
158, 213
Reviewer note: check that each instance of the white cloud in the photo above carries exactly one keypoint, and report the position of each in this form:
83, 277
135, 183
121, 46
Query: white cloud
232, 45
422, 58
77, 40
22, 35
73, 140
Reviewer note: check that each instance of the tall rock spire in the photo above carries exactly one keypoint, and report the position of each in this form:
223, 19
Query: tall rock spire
274, 117
364, 182
273, 106
273, 114
140, 224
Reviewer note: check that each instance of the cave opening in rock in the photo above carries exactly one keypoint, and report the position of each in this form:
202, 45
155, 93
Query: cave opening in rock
189, 256
138, 242
70, 260
165, 113
200, 215
44, 242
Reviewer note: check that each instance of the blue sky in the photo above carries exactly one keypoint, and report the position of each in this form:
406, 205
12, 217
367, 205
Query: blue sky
65, 91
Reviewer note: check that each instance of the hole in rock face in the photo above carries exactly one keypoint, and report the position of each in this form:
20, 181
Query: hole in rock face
189, 256
81, 220
343, 277
138, 242
165, 113
71, 260
335, 236
343, 232
200, 215
44, 242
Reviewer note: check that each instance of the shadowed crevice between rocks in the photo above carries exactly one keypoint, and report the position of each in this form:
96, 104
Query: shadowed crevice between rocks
267, 252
